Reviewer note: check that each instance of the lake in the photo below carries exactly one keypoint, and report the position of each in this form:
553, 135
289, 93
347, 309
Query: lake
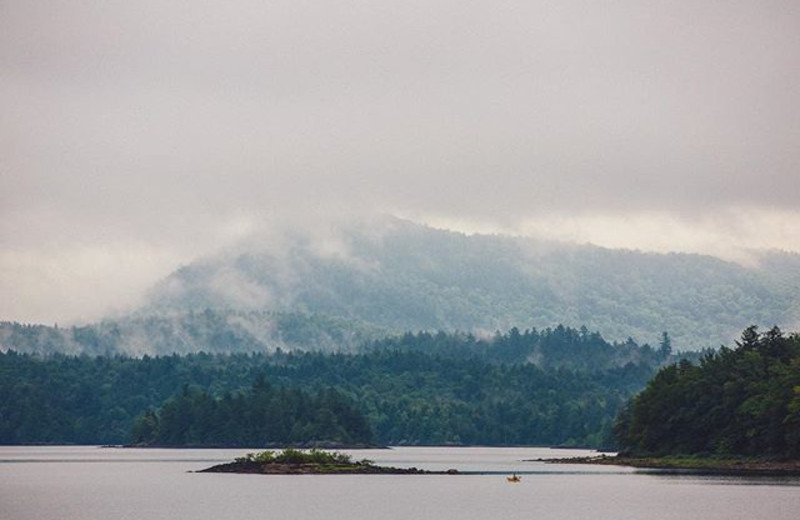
92, 483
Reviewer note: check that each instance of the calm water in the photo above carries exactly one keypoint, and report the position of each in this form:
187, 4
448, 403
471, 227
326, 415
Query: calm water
89, 483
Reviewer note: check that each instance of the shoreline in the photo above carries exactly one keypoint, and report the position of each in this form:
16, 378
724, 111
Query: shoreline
324, 446
301, 446
696, 465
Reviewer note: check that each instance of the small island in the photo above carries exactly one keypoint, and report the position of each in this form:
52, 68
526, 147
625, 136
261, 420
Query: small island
311, 462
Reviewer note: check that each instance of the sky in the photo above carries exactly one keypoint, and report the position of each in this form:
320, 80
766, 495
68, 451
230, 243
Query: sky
136, 136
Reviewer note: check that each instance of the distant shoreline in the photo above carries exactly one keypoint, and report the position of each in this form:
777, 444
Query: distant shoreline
700, 465
320, 445
335, 446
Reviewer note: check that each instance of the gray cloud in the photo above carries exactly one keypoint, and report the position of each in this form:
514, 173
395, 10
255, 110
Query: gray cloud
165, 129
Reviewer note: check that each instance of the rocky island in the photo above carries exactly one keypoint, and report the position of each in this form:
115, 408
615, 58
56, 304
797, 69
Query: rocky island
311, 462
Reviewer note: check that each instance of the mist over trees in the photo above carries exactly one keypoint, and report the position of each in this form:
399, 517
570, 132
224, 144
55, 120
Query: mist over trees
416, 389
362, 283
401, 276
326, 324
203, 331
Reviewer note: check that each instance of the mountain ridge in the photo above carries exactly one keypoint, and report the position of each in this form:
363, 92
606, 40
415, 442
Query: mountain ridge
338, 287
403, 276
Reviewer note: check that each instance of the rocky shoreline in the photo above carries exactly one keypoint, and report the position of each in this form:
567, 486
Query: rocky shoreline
318, 469
703, 465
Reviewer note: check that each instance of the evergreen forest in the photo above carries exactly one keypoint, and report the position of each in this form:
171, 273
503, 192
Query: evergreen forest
260, 416
557, 386
554, 387
742, 401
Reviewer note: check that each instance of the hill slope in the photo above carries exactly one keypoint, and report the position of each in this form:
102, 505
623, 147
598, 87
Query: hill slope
399, 276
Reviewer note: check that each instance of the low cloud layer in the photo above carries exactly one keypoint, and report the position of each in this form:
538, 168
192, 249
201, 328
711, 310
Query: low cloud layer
136, 136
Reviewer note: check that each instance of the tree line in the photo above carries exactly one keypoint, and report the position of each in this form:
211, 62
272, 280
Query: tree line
419, 389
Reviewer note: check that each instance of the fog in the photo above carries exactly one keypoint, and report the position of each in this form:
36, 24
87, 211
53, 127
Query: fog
138, 136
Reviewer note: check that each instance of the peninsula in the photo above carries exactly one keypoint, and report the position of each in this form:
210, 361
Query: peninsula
736, 411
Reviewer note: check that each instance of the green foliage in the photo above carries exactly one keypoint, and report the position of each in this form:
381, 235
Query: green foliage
741, 401
560, 347
416, 389
262, 415
295, 456
312, 456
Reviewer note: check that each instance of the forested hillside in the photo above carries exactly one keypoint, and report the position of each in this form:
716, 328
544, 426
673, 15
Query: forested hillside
410, 390
741, 401
401, 276
363, 283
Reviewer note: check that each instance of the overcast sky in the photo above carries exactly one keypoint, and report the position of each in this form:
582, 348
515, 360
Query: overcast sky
137, 135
